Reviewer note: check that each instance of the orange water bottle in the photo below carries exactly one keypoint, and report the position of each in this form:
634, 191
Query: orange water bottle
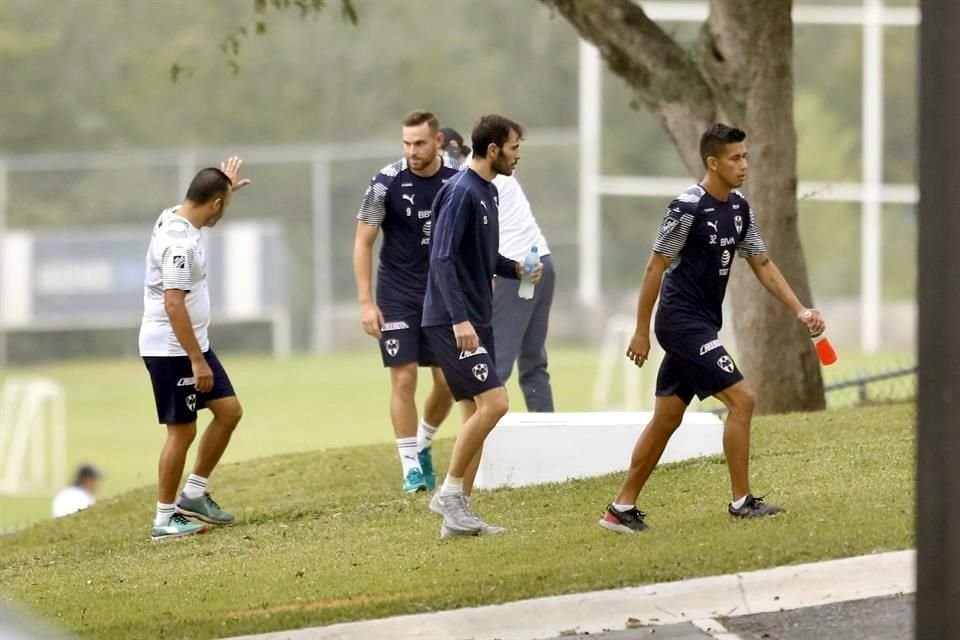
825, 350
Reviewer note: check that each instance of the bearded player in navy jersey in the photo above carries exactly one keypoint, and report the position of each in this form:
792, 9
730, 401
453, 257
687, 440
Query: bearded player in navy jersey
399, 201
702, 231
458, 310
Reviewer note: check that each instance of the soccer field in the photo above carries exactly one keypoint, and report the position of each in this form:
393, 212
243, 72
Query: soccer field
300, 404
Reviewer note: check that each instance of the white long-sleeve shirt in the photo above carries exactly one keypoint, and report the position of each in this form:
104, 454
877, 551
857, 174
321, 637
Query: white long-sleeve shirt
518, 228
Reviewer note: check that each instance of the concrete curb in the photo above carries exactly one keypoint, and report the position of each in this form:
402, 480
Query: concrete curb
780, 588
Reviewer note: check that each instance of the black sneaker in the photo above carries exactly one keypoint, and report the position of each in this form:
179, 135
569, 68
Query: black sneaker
754, 508
630, 521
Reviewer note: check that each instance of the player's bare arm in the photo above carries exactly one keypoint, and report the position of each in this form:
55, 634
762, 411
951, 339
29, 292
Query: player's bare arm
175, 304
370, 315
773, 281
639, 348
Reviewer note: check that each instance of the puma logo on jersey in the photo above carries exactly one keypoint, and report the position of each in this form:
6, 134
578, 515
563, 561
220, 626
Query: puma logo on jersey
408, 197
483, 204
712, 225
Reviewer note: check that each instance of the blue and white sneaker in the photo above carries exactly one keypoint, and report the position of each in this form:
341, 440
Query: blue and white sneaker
426, 465
177, 527
414, 481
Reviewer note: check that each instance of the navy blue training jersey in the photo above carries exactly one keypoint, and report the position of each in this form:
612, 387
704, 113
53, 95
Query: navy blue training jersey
465, 253
399, 202
700, 234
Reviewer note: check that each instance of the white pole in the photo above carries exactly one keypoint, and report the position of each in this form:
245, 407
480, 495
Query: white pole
186, 168
871, 219
589, 203
4, 169
322, 252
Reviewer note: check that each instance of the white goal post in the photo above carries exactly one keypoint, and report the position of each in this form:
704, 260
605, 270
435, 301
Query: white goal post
33, 437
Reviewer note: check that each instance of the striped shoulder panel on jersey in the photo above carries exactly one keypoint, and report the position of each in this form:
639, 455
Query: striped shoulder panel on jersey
450, 163
691, 195
393, 170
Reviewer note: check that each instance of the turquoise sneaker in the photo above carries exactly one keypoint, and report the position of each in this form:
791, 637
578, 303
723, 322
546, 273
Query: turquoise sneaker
414, 481
203, 508
177, 527
426, 465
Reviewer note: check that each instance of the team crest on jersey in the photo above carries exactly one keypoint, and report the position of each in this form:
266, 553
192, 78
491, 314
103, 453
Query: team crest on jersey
392, 346
738, 223
726, 363
192, 402
480, 372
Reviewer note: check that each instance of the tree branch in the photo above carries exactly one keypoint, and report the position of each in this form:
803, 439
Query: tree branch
667, 78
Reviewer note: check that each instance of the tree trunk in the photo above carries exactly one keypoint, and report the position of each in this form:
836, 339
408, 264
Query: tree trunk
743, 74
774, 347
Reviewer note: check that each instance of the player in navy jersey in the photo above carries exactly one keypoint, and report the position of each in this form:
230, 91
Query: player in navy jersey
702, 230
399, 201
458, 309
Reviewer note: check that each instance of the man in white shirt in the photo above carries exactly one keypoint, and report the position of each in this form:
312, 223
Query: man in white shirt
186, 374
519, 325
79, 496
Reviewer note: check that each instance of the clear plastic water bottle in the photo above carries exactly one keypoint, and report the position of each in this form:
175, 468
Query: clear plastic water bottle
530, 263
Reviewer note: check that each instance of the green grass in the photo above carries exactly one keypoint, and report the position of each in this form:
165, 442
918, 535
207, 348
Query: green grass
301, 404
327, 536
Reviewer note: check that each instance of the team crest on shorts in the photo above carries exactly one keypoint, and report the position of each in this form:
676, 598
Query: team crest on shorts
392, 346
480, 372
726, 363
192, 402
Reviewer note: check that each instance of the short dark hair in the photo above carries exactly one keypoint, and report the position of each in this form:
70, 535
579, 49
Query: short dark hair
492, 129
209, 184
86, 472
716, 138
417, 118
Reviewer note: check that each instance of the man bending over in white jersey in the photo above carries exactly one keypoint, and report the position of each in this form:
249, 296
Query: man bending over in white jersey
184, 370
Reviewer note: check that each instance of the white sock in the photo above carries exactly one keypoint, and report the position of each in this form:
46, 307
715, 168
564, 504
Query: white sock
623, 507
407, 448
425, 435
451, 486
195, 487
736, 504
164, 513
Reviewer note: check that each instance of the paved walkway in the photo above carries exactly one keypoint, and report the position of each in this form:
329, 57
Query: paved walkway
729, 607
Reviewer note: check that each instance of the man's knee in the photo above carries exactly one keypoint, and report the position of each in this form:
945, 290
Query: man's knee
403, 381
228, 412
181, 435
494, 404
741, 399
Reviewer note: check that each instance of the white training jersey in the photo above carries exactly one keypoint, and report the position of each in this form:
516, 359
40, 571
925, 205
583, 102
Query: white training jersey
71, 500
175, 260
518, 228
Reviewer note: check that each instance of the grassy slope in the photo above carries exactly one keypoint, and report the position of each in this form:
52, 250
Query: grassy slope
327, 536
304, 403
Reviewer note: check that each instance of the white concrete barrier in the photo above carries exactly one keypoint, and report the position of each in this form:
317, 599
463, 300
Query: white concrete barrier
534, 448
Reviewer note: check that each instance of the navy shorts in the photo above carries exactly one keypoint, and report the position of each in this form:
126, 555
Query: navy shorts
694, 363
174, 387
468, 374
402, 342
